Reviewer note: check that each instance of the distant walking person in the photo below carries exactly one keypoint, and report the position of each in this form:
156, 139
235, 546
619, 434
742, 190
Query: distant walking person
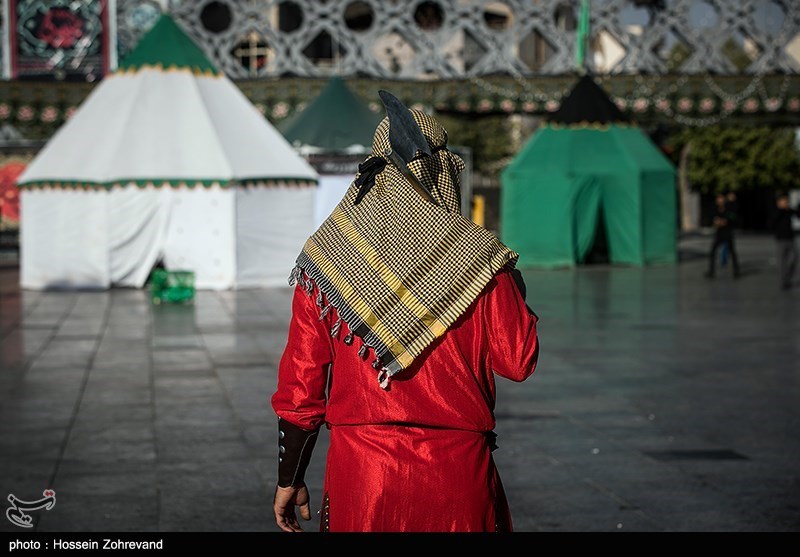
724, 221
781, 224
733, 205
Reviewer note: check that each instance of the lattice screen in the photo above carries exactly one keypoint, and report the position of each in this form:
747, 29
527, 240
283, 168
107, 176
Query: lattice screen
464, 38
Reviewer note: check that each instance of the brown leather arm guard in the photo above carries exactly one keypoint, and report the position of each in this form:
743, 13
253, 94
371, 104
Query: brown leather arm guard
295, 446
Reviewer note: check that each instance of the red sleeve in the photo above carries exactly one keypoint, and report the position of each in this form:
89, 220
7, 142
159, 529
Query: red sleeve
303, 369
511, 328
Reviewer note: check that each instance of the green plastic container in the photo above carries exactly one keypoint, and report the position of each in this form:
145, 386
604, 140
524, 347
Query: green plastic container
172, 287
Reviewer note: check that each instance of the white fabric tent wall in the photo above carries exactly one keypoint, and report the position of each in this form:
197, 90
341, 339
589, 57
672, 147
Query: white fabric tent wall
330, 192
68, 247
272, 224
137, 221
228, 237
201, 236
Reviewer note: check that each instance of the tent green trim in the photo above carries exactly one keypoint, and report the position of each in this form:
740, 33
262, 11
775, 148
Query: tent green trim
580, 173
167, 46
190, 183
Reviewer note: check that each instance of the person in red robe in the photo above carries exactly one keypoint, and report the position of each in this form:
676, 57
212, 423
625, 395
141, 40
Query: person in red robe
403, 287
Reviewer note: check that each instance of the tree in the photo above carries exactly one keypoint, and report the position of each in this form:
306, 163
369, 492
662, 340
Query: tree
728, 158
487, 137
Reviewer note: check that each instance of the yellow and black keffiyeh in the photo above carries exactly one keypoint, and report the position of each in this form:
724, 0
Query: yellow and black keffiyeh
398, 269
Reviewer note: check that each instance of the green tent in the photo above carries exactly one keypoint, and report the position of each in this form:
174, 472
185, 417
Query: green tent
589, 173
337, 120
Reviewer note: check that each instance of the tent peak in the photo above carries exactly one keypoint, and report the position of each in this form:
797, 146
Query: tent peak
336, 120
587, 102
166, 46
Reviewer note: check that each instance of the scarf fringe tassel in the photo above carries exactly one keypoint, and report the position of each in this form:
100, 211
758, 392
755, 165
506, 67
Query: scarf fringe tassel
336, 327
384, 376
297, 277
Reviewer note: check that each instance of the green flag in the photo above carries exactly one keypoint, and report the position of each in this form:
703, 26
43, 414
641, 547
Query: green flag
583, 35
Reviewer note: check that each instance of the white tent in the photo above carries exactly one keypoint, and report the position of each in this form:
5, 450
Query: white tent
166, 160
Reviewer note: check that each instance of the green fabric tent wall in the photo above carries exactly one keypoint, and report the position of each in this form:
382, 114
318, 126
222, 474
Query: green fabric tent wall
589, 166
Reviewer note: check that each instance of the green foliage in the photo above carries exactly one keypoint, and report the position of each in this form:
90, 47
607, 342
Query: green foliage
487, 137
736, 54
677, 56
727, 158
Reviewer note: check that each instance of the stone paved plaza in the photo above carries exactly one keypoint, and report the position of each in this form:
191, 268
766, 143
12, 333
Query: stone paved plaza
663, 401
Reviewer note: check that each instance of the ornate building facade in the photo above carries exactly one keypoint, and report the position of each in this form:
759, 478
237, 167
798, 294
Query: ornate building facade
695, 62
419, 39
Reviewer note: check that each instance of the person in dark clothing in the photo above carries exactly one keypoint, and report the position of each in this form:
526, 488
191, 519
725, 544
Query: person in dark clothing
733, 206
781, 225
724, 221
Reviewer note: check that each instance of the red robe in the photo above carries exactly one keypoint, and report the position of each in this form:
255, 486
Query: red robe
416, 457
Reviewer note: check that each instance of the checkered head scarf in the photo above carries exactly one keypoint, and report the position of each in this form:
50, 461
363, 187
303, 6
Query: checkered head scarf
399, 269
